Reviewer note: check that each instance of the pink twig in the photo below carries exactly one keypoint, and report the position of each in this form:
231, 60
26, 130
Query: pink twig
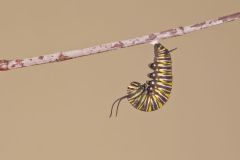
62, 56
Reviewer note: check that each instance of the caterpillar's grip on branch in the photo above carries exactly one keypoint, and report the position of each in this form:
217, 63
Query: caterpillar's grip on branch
153, 94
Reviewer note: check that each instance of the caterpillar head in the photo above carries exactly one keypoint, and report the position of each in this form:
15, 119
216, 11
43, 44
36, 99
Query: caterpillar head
135, 87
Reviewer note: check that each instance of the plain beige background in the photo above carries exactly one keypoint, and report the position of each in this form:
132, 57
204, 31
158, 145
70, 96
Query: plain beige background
60, 111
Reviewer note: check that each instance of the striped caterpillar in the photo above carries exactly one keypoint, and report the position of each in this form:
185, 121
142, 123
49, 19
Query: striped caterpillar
153, 94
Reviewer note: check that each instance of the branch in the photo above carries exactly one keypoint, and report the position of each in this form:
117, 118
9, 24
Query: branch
62, 56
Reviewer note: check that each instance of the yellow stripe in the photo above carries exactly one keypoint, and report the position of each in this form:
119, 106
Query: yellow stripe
147, 103
155, 100
142, 100
150, 106
134, 95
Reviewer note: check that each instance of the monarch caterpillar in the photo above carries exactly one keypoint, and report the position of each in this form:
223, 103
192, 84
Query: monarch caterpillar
153, 94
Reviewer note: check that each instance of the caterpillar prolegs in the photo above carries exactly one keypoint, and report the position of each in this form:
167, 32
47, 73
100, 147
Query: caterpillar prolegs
153, 94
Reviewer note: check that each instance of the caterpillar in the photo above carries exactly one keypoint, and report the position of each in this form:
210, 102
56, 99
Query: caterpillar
153, 94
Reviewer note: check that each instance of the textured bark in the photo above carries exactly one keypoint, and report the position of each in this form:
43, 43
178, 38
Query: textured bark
62, 56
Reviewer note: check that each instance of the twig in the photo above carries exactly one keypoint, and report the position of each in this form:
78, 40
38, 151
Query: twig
62, 56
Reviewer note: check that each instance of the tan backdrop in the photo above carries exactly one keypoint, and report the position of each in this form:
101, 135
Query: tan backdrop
60, 111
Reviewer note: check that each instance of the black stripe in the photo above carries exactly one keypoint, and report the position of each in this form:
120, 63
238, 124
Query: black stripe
144, 107
156, 75
168, 88
162, 98
159, 99
157, 66
135, 84
155, 106
165, 77
164, 80
164, 67
140, 100
166, 59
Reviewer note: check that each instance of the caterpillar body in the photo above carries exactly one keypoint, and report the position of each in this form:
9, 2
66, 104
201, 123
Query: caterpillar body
153, 94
